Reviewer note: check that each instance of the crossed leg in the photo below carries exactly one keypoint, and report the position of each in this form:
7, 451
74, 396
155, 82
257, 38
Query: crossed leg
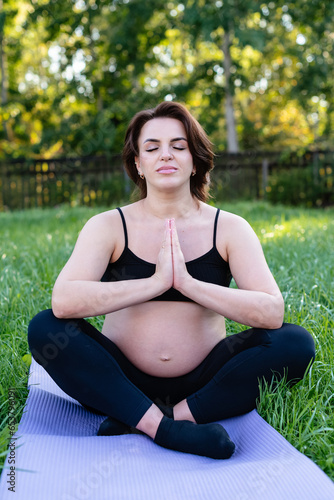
81, 361
84, 369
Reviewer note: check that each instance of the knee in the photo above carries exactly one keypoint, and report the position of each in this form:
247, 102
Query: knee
298, 344
301, 340
48, 335
37, 328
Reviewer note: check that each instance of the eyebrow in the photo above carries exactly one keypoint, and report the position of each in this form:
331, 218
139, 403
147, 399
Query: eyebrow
173, 140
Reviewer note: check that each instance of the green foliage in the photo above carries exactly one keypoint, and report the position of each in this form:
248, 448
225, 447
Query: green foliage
302, 186
74, 73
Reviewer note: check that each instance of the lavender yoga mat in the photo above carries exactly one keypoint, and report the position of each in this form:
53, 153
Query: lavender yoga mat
59, 457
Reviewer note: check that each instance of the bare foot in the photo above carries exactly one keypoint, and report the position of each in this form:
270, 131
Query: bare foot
182, 412
149, 423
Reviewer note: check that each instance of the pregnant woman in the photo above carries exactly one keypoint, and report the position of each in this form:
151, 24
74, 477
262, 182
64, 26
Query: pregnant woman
159, 270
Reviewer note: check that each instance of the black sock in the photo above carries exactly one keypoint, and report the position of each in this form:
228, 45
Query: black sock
208, 440
113, 427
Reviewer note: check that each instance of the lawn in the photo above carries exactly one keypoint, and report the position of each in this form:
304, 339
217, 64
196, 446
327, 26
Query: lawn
298, 244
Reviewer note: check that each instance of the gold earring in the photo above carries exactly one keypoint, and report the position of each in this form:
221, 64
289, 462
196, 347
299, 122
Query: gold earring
194, 173
141, 175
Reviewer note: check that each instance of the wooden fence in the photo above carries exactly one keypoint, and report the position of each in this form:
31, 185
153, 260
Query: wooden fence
101, 180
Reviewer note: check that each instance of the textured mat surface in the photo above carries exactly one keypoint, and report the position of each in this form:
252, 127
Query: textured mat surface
59, 457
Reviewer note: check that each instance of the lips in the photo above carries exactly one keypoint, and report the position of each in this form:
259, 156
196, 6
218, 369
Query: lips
166, 169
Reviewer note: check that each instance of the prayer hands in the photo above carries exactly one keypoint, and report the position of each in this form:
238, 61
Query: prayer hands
171, 268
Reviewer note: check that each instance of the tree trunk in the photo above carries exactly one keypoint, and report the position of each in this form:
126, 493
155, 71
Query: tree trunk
232, 138
3, 67
2, 56
2, 70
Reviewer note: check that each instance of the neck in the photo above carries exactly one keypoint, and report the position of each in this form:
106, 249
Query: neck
165, 206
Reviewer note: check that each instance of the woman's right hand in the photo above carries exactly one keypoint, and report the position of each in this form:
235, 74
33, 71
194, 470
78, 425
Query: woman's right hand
164, 266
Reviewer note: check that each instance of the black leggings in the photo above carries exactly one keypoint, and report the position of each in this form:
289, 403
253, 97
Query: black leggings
91, 369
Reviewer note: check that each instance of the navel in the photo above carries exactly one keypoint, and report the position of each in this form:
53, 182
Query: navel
164, 358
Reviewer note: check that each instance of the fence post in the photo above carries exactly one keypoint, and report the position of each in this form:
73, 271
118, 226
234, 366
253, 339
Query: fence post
265, 171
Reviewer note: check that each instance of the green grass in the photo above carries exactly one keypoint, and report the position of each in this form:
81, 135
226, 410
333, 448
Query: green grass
298, 243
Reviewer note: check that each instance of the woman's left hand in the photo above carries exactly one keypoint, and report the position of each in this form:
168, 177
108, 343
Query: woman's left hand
180, 272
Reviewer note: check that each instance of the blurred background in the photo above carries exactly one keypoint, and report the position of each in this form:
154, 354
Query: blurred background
258, 76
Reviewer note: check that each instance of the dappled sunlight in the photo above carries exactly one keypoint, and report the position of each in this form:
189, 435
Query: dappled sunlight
299, 228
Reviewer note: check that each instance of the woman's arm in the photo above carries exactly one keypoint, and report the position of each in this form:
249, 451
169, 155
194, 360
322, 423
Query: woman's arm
78, 292
258, 301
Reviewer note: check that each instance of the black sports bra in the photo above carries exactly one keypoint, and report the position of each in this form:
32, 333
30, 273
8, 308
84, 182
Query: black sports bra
210, 267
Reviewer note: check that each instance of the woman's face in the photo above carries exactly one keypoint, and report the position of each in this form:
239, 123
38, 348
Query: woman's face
164, 155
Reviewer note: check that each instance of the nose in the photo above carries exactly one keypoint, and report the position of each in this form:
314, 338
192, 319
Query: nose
166, 154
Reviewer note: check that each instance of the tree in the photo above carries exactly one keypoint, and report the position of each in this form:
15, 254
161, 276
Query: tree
315, 47
74, 72
7, 10
259, 71
101, 49
227, 24
294, 88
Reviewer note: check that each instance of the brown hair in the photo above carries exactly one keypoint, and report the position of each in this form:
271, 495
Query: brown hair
199, 145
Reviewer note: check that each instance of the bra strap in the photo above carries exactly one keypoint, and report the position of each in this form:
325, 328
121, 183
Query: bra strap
124, 226
215, 227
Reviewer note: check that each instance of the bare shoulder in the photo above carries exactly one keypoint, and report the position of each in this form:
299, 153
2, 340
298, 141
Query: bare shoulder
104, 226
107, 227
102, 220
233, 231
239, 245
229, 219
94, 247
132, 210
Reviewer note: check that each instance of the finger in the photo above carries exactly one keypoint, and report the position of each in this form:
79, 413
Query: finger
179, 266
168, 235
174, 235
165, 252
164, 265
176, 247
166, 241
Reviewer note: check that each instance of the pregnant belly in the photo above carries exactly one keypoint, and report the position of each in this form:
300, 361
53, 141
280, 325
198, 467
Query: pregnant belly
166, 339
